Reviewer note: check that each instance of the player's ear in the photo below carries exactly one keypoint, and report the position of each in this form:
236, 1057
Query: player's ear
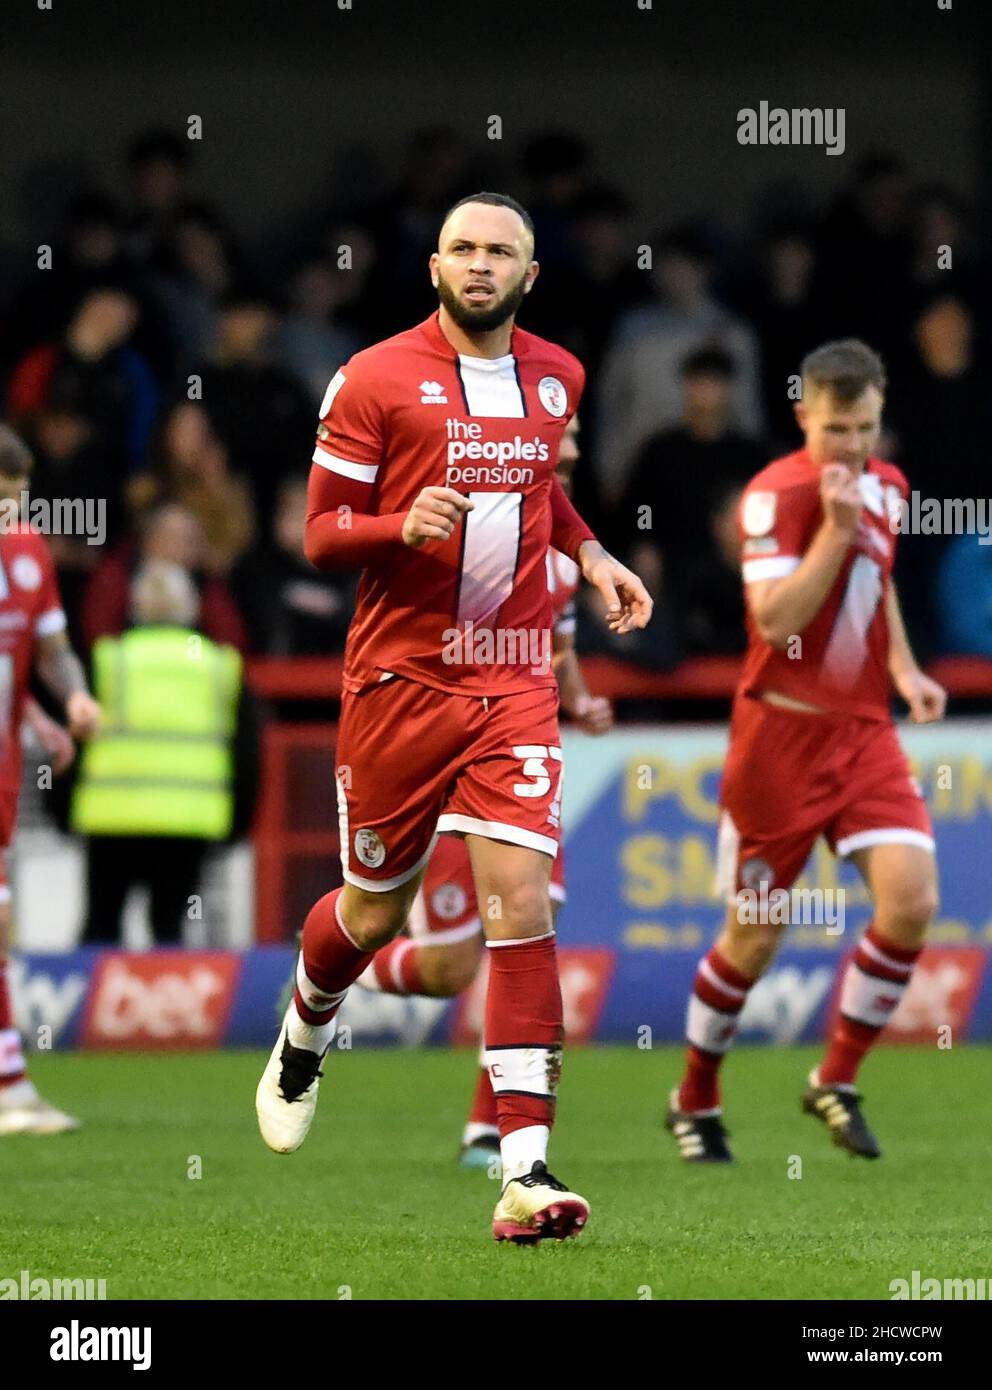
532, 275
433, 264
802, 414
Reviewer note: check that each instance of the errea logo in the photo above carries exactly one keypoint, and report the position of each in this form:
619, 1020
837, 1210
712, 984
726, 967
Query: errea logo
432, 393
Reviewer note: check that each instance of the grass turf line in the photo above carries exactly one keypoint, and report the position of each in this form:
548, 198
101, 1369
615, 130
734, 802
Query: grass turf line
374, 1206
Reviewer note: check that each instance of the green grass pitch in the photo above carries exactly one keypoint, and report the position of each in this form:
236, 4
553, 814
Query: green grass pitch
373, 1206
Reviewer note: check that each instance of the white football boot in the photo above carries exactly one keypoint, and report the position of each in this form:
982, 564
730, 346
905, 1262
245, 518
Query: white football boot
286, 1098
537, 1207
22, 1111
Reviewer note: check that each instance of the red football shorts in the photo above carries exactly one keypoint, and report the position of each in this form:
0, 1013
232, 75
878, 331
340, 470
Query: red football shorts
413, 761
791, 777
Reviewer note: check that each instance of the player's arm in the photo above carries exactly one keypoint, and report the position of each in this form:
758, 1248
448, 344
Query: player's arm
61, 670
56, 742
343, 529
341, 532
628, 603
593, 713
784, 606
926, 699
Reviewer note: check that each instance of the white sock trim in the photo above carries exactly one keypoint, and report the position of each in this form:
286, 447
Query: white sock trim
522, 940
522, 1149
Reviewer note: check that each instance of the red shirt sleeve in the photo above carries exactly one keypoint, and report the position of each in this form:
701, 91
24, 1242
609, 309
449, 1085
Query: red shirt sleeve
342, 531
49, 615
568, 530
776, 527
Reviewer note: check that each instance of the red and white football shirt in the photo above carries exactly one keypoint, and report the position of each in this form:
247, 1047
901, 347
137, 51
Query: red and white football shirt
564, 578
409, 413
30, 607
841, 659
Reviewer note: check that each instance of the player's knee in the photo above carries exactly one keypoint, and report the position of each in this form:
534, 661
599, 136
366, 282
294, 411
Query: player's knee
521, 909
752, 945
909, 906
448, 972
373, 919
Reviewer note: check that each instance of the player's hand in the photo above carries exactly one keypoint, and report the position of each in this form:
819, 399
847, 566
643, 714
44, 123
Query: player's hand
592, 713
628, 603
55, 740
434, 515
926, 699
841, 497
83, 714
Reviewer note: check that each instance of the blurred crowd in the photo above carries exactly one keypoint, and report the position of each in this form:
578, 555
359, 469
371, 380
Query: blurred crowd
160, 366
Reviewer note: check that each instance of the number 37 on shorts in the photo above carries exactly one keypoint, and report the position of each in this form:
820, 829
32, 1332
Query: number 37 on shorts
413, 761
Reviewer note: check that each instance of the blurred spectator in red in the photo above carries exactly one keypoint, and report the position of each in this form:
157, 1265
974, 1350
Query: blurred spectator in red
190, 466
640, 389
290, 608
171, 533
310, 344
97, 362
681, 472
260, 412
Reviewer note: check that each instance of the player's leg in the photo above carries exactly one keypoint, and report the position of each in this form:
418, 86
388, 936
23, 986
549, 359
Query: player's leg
902, 880
22, 1110
723, 980
772, 812
480, 1146
438, 955
523, 1037
507, 801
885, 828
340, 935
393, 763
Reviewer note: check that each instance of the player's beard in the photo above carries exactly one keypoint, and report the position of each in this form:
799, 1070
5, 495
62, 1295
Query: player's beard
481, 318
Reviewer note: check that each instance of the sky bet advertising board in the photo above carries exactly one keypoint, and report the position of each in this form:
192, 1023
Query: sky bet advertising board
641, 819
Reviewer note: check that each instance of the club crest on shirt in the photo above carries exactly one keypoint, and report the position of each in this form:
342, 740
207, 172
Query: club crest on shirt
449, 901
758, 515
369, 848
26, 572
552, 396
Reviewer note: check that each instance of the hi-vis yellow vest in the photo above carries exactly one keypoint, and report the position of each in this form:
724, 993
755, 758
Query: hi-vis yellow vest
163, 761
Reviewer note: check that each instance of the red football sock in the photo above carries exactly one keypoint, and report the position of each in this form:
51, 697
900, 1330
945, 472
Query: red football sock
397, 967
483, 1111
524, 1031
11, 1056
718, 995
875, 981
330, 959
